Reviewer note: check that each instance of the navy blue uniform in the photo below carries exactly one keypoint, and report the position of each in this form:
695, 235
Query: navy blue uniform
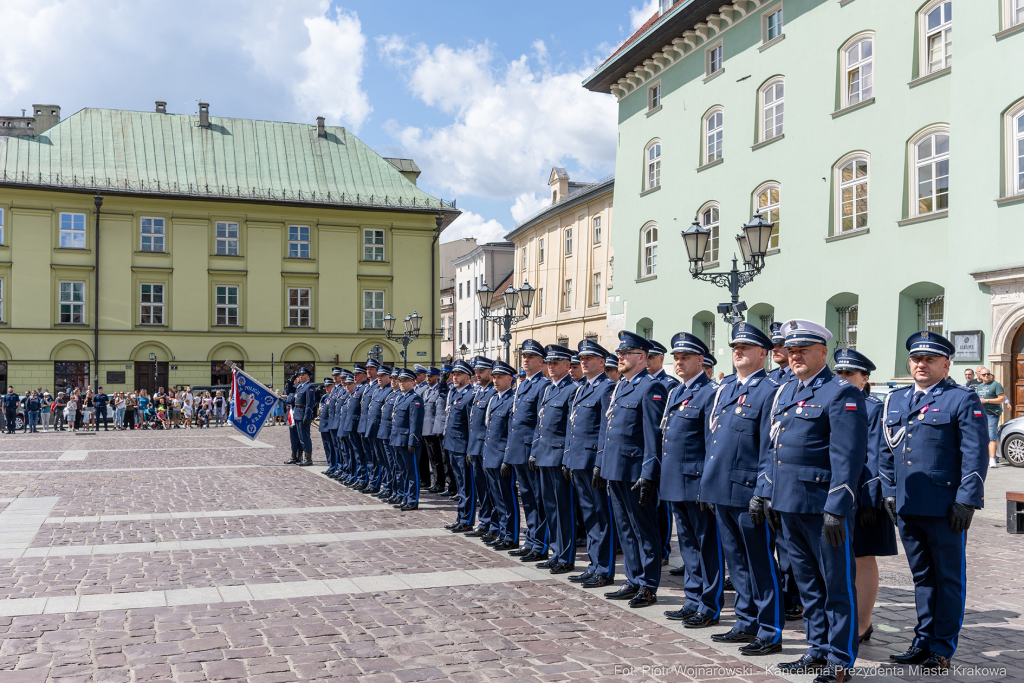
456, 442
304, 410
630, 449
741, 416
557, 495
324, 427
817, 444
664, 507
406, 443
503, 491
10, 403
683, 455
372, 444
522, 430
589, 406
101, 400
393, 465
879, 539
475, 448
938, 456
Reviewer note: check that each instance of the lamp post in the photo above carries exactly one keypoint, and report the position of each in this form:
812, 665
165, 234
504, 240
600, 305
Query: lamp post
152, 357
753, 245
463, 350
412, 331
523, 296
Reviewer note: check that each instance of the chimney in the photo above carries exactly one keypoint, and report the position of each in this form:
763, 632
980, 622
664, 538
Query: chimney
321, 130
161, 107
46, 117
204, 115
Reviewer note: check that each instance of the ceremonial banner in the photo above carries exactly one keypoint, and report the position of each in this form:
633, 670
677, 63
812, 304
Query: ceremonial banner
252, 404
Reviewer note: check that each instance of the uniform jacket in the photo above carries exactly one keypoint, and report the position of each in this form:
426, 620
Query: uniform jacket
456, 428
522, 426
325, 413
305, 403
817, 455
870, 492
630, 445
735, 446
429, 409
666, 379
781, 375
365, 398
441, 408
343, 409
478, 419
683, 432
407, 420
335, 406
350, 417
421, 388
387, 412
589, 406
499, 411
553, 421
942, 458
11, 401
100, 400
373, 412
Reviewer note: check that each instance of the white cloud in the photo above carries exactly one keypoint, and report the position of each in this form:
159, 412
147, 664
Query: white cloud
511, 122
638, 16
527, 204
470, 224
287, 59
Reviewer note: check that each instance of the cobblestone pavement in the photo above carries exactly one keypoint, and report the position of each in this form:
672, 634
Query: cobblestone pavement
191, 556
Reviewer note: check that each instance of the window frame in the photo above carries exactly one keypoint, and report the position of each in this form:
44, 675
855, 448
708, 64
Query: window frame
374, 310
568, 240
72, 231
2, 235
1013, 150
227, 239
596, 294
714, 240
1009, 20
155, 307
762, 106
299, 308
716, 48
2, 301
71, 302
298, 242
523, 259
538, 302
761, 189
654, 96
382, 245
846, 67
649, 251
567, 294
717, 110
652, 166
840, 185
595, 224
766, 17
924, 64
227, 306
915, 163
153, 236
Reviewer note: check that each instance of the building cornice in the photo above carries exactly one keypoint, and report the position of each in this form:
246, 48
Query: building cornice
572, 201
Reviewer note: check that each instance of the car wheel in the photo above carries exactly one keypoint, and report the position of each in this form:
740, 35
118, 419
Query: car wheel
1013, 450
19, 423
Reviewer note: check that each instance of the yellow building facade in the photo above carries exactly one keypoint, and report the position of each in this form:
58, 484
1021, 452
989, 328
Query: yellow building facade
259, 242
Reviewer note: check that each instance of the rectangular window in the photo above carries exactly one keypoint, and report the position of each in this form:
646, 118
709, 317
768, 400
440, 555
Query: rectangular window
1018, 139
151, 304
1017, 12
523, 259
298, 307
70, 376
72, 231
859, 66
847, 337
1, 301
568, 241
1, 226
714, 59
373, 245
540, 250
939, 37
714, 130
373, 309
460, 290
654, 101
772, 25
227, 239
298, 241
72, 303
931, 313
709, 334
597, 230
853, 188
538, 302
476, 331
772, 110
567, 296
227, 305
933, 174
460, 333
596, 301
151, 234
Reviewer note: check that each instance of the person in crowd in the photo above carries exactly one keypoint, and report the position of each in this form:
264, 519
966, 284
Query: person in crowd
992, 396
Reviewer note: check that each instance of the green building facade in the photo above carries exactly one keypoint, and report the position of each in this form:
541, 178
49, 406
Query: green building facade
895, 173
218, 239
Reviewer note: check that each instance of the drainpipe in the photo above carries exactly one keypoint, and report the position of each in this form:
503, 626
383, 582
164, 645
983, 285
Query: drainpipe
433, 285
98, 200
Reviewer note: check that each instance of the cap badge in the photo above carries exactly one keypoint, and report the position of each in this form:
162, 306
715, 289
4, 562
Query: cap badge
924, 335
792, 325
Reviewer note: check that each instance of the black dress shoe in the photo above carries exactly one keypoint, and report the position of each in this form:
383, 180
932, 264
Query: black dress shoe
794, 612
626, 592
727, 586
699, 620
563, 568
681, 614
580, 578
664, 562
520, 552
398, 505
644, 597
490, 538
359, 487
449, 494
833, 673
913, 655
760, 647
409, 507
597, 582
805, 665
677, 571
547, 564
461, 528
935, 664
733, 636
510, 546
534, 556
866, 636
477, 533
451, 526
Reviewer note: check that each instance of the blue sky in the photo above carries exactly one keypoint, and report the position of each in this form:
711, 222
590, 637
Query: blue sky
485, 96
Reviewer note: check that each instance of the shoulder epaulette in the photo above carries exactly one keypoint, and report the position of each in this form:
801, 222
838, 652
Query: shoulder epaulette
839, 380
872, 399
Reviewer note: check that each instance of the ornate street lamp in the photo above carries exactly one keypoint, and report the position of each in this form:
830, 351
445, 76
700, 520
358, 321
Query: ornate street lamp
412, 331
523, 297
753, 244
463, 350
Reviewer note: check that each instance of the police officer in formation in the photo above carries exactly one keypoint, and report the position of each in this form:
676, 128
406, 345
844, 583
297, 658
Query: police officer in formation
302, 404
803, 464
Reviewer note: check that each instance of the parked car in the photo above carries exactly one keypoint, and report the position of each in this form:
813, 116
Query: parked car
1010, 443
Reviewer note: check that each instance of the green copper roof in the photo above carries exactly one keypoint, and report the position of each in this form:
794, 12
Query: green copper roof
110, 150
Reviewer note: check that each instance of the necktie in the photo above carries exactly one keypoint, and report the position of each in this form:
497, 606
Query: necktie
918, 397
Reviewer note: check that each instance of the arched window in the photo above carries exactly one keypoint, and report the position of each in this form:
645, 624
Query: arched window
714, 129
930, 157
852, 185
649, 252
772, 97
858, 67
767, 202
1013, 13
1014, 152
936, 31
652, 161
709, 221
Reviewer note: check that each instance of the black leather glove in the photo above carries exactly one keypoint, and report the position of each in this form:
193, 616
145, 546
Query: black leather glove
469, 460
506, 470
533, 464
597, 481
890, 507
756, 510
773, 516
960, 517
835, 529
567, 474
706, 507
868, 516
412, 449
646, 489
